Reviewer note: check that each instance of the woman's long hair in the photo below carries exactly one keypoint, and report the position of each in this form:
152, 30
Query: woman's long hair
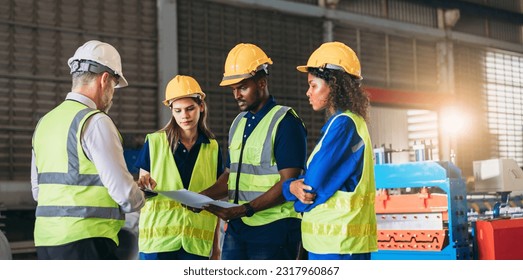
172, 129
346, 91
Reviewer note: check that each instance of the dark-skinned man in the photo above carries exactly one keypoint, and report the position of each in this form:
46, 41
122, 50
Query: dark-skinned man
267, 145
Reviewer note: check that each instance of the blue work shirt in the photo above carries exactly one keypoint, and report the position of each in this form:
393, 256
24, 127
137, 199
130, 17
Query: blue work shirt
290, 151
290, 145
335, 167
185, 160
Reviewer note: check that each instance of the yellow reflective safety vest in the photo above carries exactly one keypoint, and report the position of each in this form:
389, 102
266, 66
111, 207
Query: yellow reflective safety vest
257, 171
73, 204
346, 222
165, 225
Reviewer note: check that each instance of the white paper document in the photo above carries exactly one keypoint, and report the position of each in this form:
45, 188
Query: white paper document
195, 200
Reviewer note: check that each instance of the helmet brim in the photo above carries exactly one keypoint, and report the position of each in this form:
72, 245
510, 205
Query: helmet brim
167, 102
225, 83
303, 68
122, 82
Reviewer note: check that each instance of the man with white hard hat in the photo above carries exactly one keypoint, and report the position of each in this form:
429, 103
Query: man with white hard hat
78, 172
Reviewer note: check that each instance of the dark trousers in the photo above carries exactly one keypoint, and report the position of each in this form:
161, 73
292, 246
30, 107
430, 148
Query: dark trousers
174, 255
239, 247
97, 248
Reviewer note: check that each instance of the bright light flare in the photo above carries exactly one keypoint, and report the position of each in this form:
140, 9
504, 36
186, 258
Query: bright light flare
454, 121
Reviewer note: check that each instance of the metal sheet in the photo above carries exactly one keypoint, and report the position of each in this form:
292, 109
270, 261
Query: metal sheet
418, 221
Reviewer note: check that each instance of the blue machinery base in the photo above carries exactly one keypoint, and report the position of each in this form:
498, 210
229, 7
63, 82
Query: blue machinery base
445, 176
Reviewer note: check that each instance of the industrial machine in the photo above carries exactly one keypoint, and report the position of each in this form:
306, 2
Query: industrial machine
421, 210
497, 175
495, 182
499, 239
17, 218
5, 249
426, 211
17, 209
496, 217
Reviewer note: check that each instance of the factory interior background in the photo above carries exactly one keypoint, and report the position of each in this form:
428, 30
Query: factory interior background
445, 80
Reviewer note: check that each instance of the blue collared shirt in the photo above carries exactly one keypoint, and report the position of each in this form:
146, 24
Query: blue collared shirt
337, 166
290, 151
290, 145
185, 160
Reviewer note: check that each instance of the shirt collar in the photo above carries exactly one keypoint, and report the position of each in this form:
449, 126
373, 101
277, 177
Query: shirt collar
81, 98
264, 110
202, 138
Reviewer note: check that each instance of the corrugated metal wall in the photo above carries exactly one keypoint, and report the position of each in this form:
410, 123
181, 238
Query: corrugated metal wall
398, 63
207, 31
510, 5
37, 38
492, 132
488, 87
393, 62
475, 143
399, 10
390, 134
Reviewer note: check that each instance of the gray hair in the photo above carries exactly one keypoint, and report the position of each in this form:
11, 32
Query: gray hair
83, 78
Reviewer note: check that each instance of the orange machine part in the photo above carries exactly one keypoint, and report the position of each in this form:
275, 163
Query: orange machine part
420, 240
422, 202
500, 239
410, 239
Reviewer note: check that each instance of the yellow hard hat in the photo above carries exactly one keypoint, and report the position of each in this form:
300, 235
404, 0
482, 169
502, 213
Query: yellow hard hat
336, 56
180, 87
242, 62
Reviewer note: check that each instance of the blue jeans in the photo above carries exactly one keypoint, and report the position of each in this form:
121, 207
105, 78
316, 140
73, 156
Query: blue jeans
174, 255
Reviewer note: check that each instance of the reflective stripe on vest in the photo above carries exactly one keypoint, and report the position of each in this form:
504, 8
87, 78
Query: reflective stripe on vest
165, 225
72, 199
72, 176
346, 222
258, 171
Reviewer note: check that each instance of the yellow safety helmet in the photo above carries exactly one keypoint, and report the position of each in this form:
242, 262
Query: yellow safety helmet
242, 62
336, 56
180, 87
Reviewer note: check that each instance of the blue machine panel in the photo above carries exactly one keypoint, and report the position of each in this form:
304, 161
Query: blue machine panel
438, 177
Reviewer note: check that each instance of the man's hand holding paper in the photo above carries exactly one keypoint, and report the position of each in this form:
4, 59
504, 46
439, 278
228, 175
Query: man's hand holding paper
195, 200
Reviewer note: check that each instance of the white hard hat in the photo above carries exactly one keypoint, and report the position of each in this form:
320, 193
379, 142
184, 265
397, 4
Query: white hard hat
98, 57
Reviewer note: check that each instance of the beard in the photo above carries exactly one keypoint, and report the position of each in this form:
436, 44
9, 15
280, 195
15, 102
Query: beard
107, 107
107, 100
